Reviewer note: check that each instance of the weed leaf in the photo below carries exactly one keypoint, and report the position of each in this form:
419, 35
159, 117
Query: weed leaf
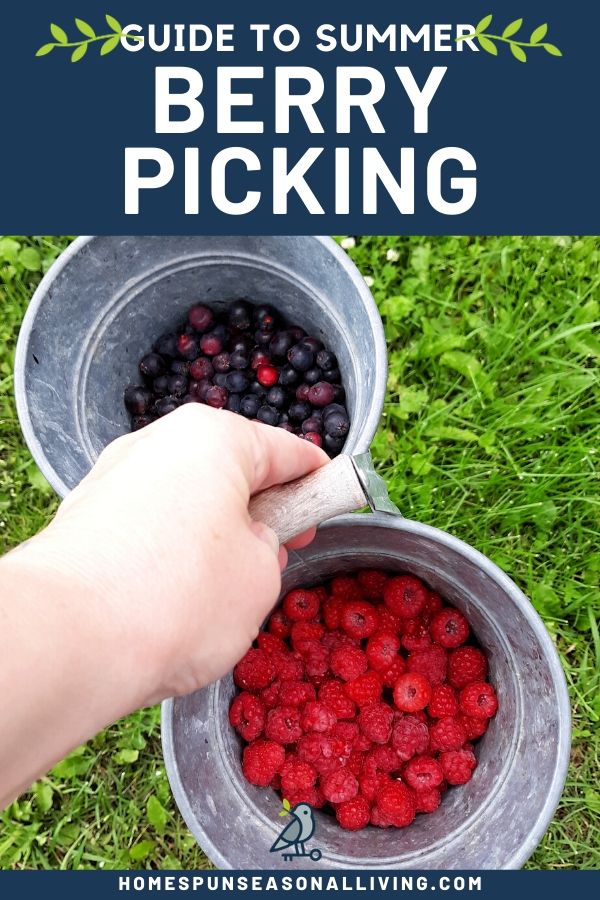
59, 34
552, 50
79, 52
157, 814
487, 45
518, 52
45, 49
483, 24
538, 33
85, 28
141, 850
109, 45
114, 24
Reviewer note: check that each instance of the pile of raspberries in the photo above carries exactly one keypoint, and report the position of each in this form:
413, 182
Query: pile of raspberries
365, 695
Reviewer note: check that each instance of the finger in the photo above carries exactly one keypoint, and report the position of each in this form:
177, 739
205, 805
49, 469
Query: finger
267, 535
279, 456
283, 557
302, 540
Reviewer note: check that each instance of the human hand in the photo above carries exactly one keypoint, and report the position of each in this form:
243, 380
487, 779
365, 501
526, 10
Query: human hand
159, 538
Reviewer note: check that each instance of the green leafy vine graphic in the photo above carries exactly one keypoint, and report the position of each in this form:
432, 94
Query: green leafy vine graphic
486, 40
110, 40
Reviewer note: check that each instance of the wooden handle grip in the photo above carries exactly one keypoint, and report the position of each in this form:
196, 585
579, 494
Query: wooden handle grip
289, 509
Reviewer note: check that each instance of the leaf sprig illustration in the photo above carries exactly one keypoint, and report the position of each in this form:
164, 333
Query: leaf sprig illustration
79, 48
486, 40
286, 807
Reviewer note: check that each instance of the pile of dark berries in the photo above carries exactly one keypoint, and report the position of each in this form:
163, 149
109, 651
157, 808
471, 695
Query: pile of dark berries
248, 360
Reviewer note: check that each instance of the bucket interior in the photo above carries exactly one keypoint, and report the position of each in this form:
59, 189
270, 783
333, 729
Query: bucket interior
104, 308
489, 822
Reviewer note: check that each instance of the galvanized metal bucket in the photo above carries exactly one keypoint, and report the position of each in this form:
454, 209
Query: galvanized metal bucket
106, 299
493, 822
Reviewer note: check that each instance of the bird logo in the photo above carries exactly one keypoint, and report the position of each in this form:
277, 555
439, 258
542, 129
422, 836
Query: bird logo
297, 833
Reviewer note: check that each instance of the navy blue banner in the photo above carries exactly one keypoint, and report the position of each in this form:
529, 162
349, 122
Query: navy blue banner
297, 884
342, 117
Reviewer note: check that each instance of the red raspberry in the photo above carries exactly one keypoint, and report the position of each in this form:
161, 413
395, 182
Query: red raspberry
270, 694
381, 761
333, 640
391, 675
474, 727
433, 604
466, 664
297, 775
422, 773
332, 607
317, 717
320, 751
247, 714
306, 631
382, 649
346, 588
458, 765
427, 801
479, 700
365, 689
447, 734
345, 734
415, 635
405, 596
295, 693
432, 663
449, 628
270, 643
355, 762
313, 796
444, 702
409, 737
375, 722
321, 592
288, 667
353, 814
301, 605
283, 725
372, 582
396, 805
254, 671
358, 619
339, 786
378, 820
412, 692
348, 663
362, 742
279, 624
262, 760
316, 658
388, 621
331, 693
369, 785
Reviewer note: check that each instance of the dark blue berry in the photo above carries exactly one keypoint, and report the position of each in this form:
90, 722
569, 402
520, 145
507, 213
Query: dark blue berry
160, 386
139, 422
137, 399
187, 346
262, 339
239, 360
313, 343
180, 367
233, 403
165, 405
331, 375
336, 424
216, 396
152, 365
301, 357
276, 396
313, 424
321, 394
249, 406
177, 384
288, 377
239, 315
339, 393
257, 388
299, 411
333, 445
265, 318
326, 360
313, 375
280, 343
166, 345
201, 317
220, 379
236, 382
241, 343
211, 344
268, 414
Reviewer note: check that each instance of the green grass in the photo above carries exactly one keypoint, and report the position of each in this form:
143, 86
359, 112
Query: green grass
491, 431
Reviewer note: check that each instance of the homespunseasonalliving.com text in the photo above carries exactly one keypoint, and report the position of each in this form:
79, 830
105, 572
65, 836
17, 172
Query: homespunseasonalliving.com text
294, 93
344, 883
